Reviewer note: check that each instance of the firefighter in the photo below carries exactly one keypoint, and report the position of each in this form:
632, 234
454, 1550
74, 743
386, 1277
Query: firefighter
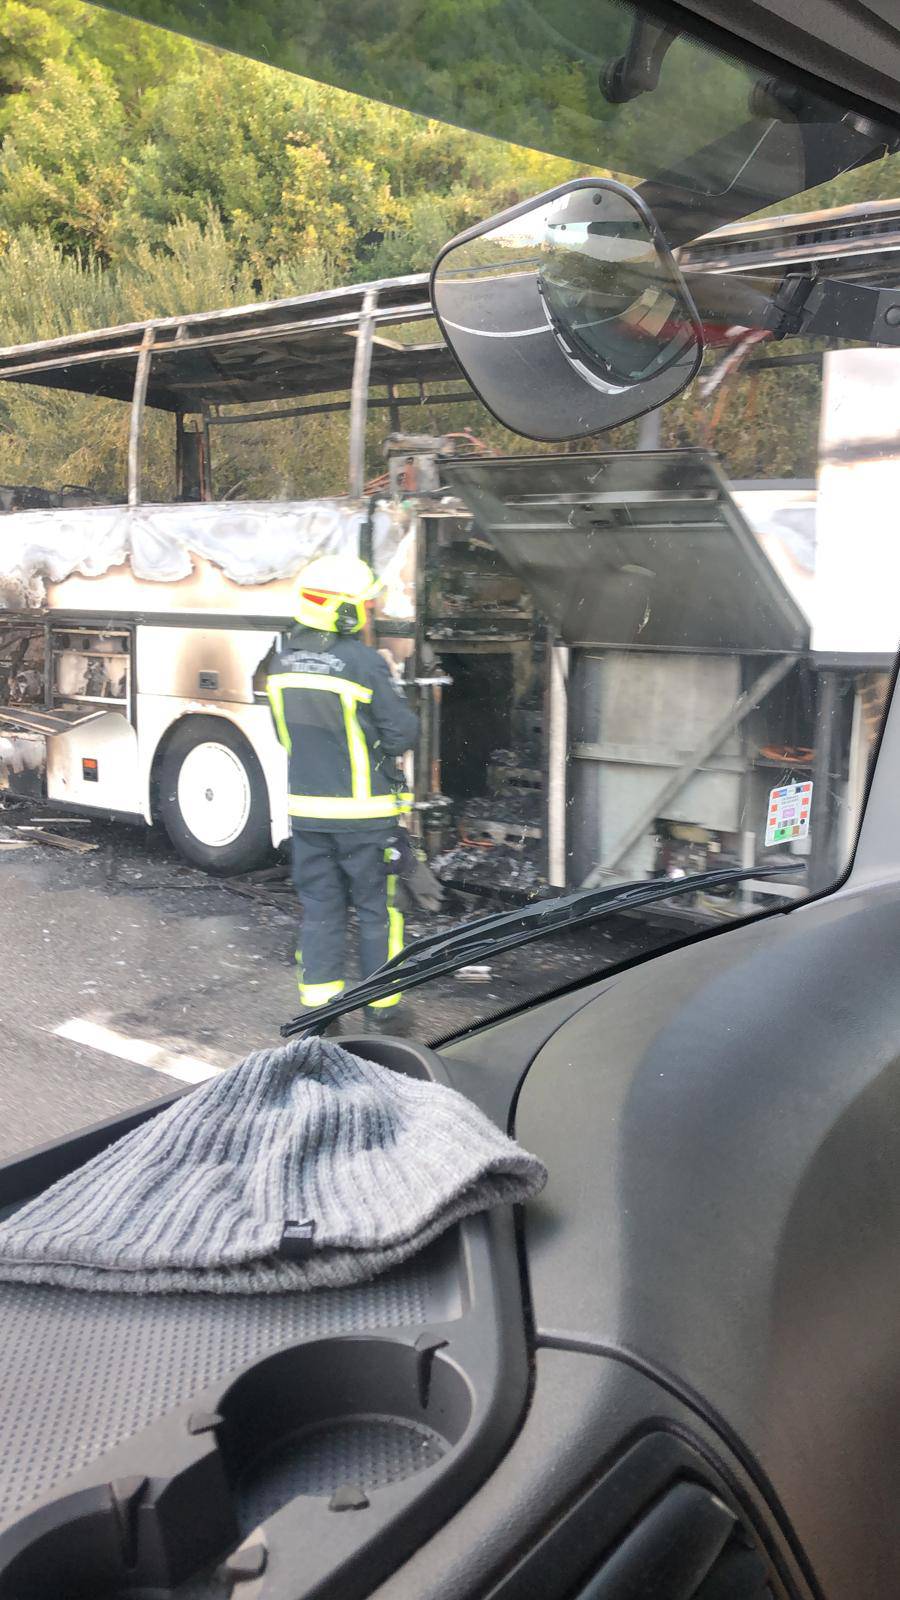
343, 721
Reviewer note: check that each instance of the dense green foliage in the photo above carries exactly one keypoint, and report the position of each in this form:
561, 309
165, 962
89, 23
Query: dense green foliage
527, 71
113, 132
142, 174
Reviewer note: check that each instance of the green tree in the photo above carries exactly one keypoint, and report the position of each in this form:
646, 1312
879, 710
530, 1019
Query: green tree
29, 37
119, 130
61, 166
142, 175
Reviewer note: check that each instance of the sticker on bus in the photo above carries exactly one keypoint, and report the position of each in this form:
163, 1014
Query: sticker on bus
788, 815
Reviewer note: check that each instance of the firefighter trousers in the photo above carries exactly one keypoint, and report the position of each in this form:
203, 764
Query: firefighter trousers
333, 871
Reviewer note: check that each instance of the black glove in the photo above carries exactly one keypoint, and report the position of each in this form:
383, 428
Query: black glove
420, 887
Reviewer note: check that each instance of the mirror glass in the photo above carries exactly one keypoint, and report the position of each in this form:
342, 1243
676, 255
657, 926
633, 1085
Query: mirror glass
568, 316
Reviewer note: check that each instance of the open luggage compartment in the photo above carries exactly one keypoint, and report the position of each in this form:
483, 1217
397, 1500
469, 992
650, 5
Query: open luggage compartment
291, 1444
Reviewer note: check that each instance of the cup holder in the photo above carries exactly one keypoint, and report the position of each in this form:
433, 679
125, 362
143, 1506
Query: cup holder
333, 1421
119, 1540
356, 1453
341, 1417
74, 1556
241, 1485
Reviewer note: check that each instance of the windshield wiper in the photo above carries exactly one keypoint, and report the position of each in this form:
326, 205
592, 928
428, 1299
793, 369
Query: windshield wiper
437, 953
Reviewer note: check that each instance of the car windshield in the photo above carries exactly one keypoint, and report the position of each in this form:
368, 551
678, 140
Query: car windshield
304, 654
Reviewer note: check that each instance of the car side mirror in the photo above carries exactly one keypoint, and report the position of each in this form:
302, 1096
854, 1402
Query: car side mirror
568, 314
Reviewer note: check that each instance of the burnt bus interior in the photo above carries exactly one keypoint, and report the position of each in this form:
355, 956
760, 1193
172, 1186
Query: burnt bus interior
372, 356
523, 710
54, 678
83, 666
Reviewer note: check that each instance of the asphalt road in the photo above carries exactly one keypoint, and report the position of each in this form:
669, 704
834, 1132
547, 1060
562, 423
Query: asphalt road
126, 973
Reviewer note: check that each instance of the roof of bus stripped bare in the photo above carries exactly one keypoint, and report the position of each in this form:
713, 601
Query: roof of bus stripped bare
305, 345
272, 350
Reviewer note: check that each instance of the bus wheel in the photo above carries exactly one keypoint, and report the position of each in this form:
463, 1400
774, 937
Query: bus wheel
213, 799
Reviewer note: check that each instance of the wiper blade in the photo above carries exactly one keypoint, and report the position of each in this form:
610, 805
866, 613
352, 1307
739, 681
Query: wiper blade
439, 953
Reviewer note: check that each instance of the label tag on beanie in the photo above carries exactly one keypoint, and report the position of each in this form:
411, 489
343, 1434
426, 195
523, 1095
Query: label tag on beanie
297, 1241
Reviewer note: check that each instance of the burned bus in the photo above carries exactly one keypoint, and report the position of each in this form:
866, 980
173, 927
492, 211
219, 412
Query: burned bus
133, 623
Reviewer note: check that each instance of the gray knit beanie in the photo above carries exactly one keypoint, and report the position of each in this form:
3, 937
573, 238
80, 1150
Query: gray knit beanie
300, 1168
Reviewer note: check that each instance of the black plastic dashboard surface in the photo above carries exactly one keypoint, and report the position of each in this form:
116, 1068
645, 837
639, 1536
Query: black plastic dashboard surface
82, 1372
715, 1258
722, 1130
301, 1443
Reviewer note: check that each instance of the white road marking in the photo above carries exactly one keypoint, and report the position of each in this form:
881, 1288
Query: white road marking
142, 1052
483, 333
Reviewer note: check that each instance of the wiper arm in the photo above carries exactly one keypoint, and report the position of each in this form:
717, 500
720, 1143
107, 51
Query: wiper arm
438, 953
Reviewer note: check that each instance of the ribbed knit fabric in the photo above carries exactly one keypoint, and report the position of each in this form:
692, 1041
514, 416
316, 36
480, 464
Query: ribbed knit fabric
198, 1197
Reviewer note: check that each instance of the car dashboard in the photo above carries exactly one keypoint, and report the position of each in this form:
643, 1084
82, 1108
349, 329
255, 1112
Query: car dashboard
671, 1375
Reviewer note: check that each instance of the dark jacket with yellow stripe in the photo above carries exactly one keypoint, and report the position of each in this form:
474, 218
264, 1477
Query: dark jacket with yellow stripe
343, 722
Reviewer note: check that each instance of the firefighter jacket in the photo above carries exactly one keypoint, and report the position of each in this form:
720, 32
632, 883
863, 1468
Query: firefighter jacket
343, 721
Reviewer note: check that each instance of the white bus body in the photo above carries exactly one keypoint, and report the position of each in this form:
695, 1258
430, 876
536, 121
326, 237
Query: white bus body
119, 664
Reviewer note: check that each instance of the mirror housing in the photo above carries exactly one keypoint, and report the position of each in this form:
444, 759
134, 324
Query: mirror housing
568, 314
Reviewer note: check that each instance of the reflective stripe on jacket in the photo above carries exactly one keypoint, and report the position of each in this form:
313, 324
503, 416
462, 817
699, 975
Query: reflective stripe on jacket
343, 722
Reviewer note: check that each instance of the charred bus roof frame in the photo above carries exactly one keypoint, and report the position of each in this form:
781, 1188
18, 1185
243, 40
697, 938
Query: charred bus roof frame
310, 345
338, 341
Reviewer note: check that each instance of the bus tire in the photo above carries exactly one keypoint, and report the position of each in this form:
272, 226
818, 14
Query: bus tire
212, 797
